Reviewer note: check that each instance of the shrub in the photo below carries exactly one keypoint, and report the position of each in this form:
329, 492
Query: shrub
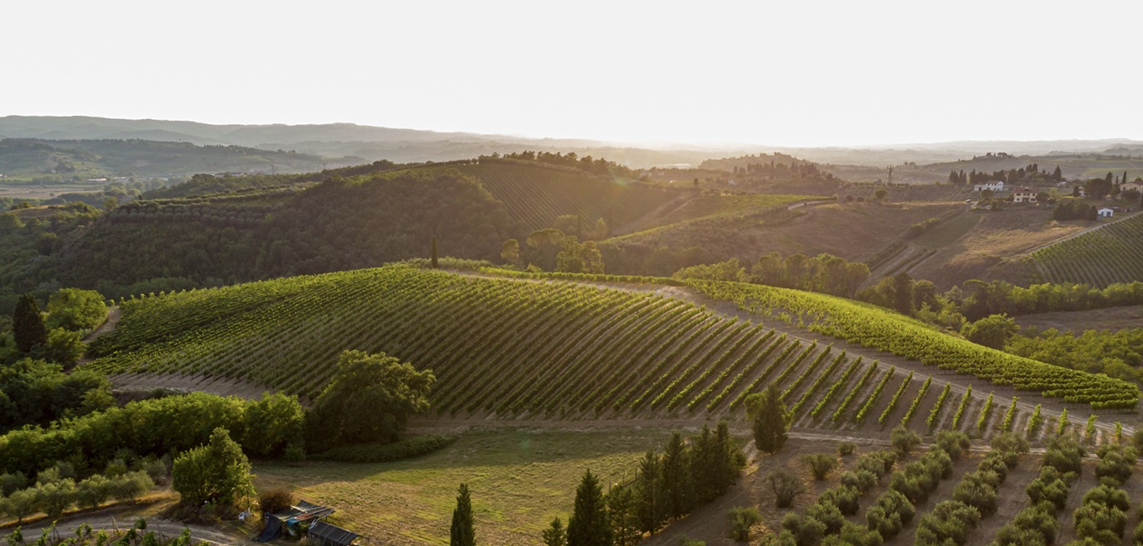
820, 464
1064, 453
852, 534
805, 531
846, 498
829, 514
845, 448
216, 472
994, 463
861, 480
275, 500
93, 491
949, 521
955, 443
1109, 495
22, 504
55, 497
1032, 526
903, 440
1049, 487
1115, 462
741, 520
878, 462
1009, 445
10, 483
131, 486
978, 490
890, 514
1100, 522
786, 487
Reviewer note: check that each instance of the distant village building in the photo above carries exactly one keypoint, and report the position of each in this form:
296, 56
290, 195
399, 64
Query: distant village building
1106, 212
1137, 186
994, 186
1024, 195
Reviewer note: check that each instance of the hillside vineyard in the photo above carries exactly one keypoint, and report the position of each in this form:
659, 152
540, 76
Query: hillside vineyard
533, 348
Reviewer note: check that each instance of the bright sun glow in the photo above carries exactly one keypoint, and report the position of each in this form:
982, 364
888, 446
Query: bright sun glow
782, 73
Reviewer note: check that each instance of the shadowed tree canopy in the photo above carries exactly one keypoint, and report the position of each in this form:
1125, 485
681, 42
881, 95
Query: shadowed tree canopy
28, 324
369, 399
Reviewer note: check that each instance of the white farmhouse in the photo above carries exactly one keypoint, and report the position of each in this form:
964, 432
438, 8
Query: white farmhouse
994, 186
1106, 212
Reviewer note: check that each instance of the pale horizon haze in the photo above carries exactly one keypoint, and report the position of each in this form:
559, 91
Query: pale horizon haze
773, 73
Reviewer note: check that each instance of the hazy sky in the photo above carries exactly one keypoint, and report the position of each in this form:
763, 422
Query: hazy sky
783, 73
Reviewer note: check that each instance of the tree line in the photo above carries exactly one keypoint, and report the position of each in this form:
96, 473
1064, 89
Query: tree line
823, 273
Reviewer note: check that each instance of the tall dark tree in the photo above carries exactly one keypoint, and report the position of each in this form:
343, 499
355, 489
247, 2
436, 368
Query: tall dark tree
903, 293
462, 532
621, 508
676, 477
649, 493
772, 421
728, 461
28, 324
589, 525
434, 253
703, 466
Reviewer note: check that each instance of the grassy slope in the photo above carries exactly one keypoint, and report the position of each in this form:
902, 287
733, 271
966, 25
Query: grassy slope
519, 481
853, 231
992, 248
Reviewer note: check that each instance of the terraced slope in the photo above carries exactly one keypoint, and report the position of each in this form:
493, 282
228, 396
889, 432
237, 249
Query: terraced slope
534, 349
1099, 257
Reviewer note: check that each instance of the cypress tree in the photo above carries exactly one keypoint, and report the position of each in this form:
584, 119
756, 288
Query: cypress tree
704, 470
903, 293
462, 533
676, 477
621, 508
589, 525
649, 491
728, 467
434, 253
771, 422
554, 535
28, 324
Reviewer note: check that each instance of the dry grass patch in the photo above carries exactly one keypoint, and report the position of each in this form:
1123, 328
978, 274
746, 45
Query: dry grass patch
519, 479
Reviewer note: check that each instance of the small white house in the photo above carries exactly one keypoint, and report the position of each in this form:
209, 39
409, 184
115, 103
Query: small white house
1106, 212
994, 186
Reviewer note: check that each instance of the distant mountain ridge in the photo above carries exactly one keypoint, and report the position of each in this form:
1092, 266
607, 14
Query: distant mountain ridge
415, 145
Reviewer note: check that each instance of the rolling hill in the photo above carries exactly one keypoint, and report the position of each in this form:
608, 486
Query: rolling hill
25, 160
522, 349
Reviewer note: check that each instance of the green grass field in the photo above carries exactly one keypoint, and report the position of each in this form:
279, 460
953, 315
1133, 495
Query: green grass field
519, 480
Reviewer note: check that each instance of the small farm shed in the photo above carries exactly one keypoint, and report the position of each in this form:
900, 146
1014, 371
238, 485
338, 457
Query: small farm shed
1106, 212
289, 521
331, 535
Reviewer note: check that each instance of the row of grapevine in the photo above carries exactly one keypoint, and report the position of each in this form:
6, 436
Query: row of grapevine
1100, 257
882, 330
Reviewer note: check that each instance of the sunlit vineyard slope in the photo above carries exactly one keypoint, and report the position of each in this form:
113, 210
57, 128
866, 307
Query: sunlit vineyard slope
524, 347
1109, 254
